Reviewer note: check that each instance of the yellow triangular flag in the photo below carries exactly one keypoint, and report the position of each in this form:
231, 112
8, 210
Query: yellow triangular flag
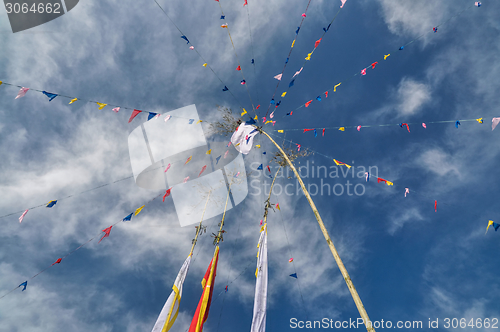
138, 210
73, 100
1, 82
101, 105
389, 183
209, 151
258, 146
386, 56
199, 121
293, 43
237, 144
283, 94
489, 224
335, 87
342, 129
256, 118
480, 120
204, 65
280, 131
244, 112
308, 56
268, 122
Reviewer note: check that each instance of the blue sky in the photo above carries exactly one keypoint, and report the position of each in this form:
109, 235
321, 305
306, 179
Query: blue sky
407, 262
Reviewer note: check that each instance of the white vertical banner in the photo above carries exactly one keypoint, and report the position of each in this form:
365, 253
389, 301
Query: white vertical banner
260, 302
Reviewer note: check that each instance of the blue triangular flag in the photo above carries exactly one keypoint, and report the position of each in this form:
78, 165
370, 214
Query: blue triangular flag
253, 61
217, 159
328, 28
457, 123
291, 83
296, 32
264, 152
278, 103
259, 168
222, 17
185, 38
50, 95
318, 98
315, 133
24, 284
495, 226
401, 48
294, 275
127, 218
250, 122
191, 121
272, 101
151, 115
225, 88
287, 60
51, 203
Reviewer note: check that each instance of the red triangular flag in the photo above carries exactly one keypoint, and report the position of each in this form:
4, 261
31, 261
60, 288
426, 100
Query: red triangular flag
238, 68
106, 231
308, 103
57, 262
317, 42
167, 193
202, 170
381, 180
134, 114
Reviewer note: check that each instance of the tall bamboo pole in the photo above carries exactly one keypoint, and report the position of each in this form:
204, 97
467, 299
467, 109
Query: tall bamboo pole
199, 226
347, 278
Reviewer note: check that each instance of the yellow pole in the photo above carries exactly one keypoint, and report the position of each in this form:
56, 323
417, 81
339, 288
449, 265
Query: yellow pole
347, 278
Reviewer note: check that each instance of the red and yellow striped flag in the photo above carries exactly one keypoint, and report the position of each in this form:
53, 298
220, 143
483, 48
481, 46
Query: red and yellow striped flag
201, 314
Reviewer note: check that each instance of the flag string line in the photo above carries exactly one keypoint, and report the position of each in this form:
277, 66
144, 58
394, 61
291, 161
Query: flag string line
283, 95
74, 250
381, 125
393, 184
379, 61
199, 54
95, 188
289, 53
237, 60
293, 261
92, 101
253, 53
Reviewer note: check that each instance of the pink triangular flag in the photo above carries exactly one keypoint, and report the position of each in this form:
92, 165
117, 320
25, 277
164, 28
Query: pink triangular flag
225, 154
494, 122
22, 216
116, 109
343, 3
363, 72
278, 77
186, 179
297, 72
358, 128
272, 115
424, 125
134, 114
22, 92
168, 167
304, 15
167, 118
